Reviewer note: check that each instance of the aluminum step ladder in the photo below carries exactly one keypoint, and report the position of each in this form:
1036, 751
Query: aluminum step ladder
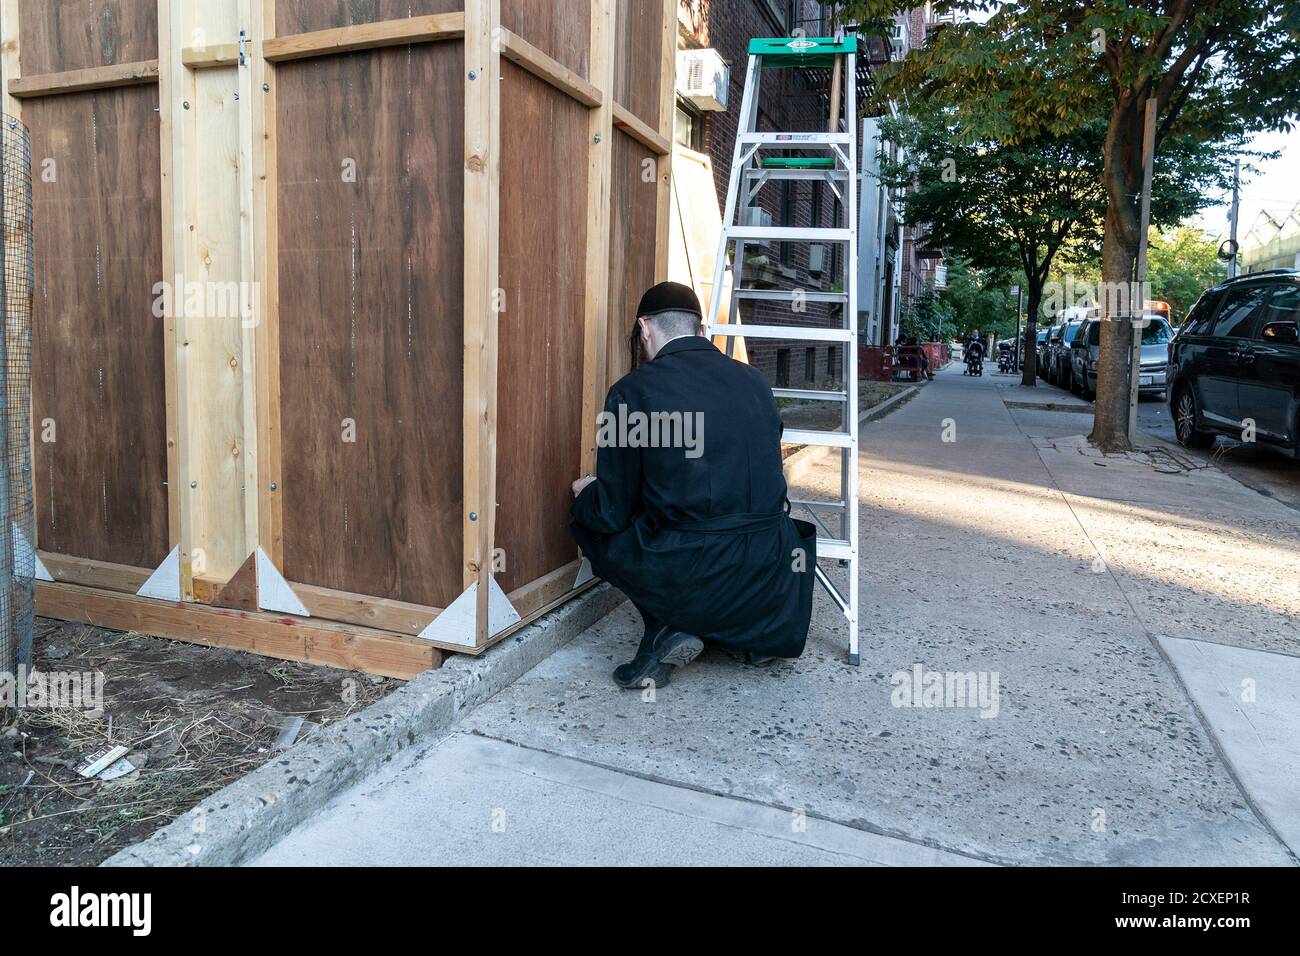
761, 158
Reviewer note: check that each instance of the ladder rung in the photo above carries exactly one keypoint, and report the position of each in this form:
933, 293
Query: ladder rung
797, 140
813, 505
786, 234
786, 295
802, 332
834, 548
802, 436
816, 175
811, 394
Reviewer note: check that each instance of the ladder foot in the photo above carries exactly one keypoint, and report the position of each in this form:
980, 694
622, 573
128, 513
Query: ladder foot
855, 660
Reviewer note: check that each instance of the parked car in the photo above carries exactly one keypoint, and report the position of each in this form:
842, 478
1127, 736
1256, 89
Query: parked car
1060, 371
1236, 363
1086, 349
1045, 349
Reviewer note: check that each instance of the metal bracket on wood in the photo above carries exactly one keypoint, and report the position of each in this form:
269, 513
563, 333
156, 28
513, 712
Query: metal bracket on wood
585, 574
273, 591
165, 583
22, 548
458, 623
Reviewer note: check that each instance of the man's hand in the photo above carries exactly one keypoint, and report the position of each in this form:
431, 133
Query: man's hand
581, 483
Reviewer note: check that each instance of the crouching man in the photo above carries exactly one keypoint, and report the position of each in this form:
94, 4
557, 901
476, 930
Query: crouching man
687, 513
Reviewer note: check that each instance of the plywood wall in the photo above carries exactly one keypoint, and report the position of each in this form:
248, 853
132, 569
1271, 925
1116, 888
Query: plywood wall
539, 373
98, 384
370, 321
633, 209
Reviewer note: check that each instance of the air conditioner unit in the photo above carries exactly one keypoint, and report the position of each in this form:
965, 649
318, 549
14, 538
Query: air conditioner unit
703, 78
816, 258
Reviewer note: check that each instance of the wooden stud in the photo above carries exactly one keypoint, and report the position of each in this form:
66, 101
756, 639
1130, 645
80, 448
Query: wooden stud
519, 51
640, 131
667, 109
10, 57
367, 36
272, 635
600, 158
482, 279
266, 272
94, 574
75, 81
220, 54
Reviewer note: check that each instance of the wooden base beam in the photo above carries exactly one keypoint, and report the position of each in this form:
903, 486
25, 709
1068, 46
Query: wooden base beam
271, 635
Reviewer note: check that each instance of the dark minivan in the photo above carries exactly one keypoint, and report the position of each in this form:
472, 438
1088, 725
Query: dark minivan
1236, 360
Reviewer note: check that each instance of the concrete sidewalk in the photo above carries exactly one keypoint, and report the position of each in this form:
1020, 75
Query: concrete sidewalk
1013, 553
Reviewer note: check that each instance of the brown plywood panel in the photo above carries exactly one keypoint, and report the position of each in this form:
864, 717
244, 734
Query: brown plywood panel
559, 28
371, 322
303, 16
543, 260
638, 58
97, 376
59, 35
631, 244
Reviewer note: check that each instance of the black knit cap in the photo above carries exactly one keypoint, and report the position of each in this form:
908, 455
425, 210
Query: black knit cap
669, 297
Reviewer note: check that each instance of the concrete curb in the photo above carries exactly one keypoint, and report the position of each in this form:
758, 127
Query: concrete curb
249, 815
798, 465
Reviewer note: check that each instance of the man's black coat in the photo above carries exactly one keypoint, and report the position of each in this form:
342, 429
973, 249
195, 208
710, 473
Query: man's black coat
699, 536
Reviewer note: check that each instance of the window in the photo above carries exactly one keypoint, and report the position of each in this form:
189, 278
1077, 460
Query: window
832, 368
1156, 333
782, 368
1198, 320
810, 364
1280, 321
1240, 309
688, 128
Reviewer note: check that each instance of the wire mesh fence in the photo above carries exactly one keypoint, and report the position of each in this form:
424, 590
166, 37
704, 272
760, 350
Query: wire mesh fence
17, 535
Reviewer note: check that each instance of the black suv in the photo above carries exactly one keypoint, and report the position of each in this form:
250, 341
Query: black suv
1236, 359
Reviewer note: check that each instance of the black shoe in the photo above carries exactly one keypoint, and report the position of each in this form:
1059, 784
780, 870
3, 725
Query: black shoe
656, 658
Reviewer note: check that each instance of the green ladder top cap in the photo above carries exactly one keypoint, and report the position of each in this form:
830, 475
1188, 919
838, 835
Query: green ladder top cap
801, 51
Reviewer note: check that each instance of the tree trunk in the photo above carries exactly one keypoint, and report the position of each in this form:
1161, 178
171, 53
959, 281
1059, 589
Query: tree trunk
1029, 374
1123, 161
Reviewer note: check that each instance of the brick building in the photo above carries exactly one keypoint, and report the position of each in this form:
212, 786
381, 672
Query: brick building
787, 103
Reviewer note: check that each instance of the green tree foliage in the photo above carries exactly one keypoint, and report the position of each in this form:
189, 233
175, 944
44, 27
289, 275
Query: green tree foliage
1001, 207
978, 299
1218, 70
1181, 264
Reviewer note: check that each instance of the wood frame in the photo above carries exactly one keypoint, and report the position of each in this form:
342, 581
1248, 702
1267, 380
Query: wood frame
367, 632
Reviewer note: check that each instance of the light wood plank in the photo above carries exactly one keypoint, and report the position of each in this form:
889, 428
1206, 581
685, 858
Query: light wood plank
667, 107
631, 124
219, 54
10, 57
286, 638
266, 265
382, 613
482, 280
519, 51
600, 157
76, 81
94, 574
367, 36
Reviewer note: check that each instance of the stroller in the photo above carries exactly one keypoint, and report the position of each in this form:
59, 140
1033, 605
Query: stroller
974, 359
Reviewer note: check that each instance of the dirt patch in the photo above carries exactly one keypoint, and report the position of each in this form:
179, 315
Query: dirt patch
195, 719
